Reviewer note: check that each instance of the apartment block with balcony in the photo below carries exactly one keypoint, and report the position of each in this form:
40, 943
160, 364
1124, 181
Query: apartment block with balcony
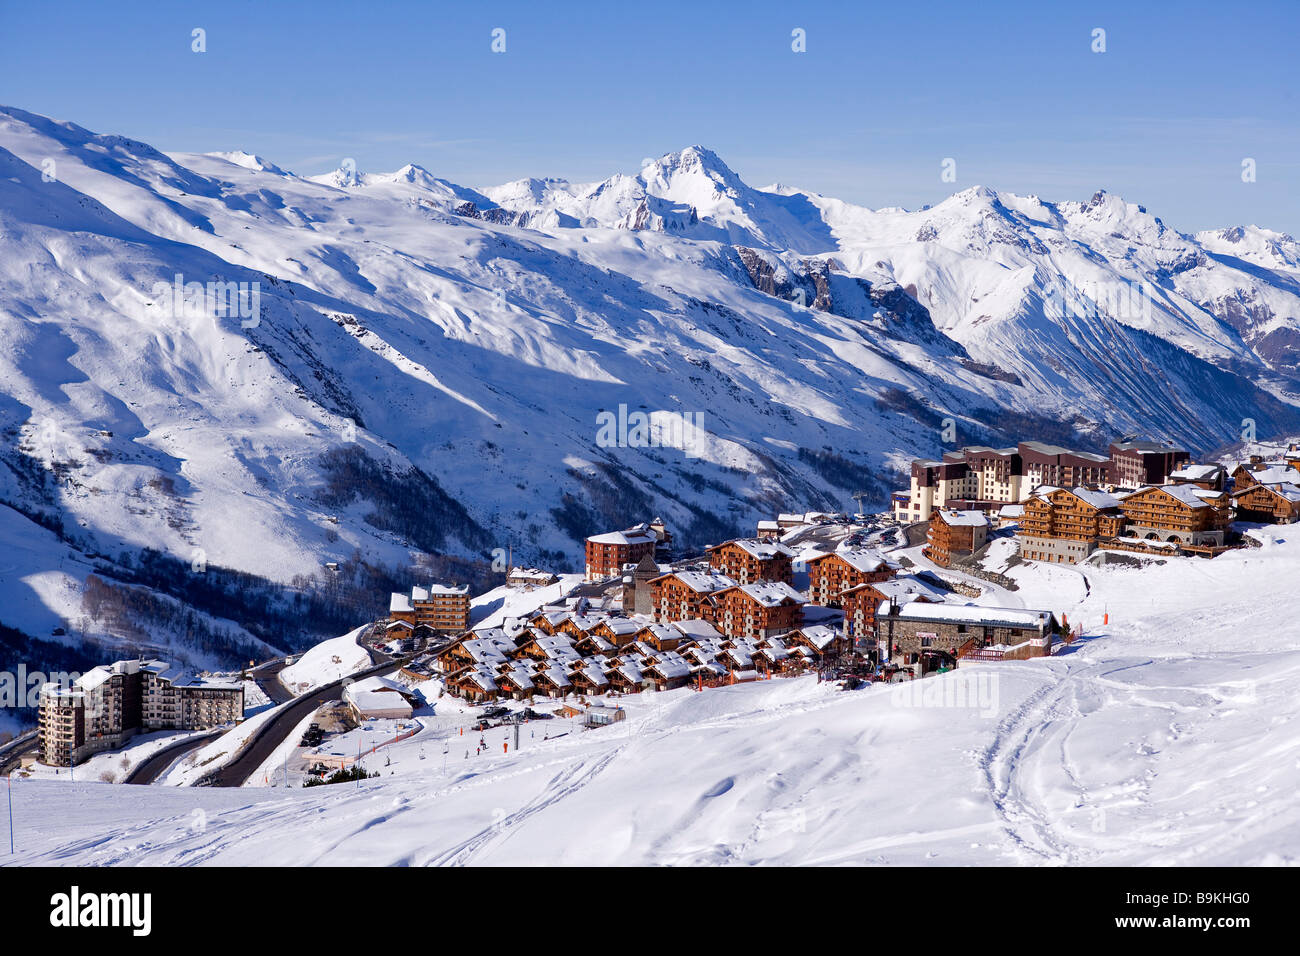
103, 708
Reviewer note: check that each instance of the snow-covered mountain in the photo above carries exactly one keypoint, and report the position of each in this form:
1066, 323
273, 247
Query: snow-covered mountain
427, 363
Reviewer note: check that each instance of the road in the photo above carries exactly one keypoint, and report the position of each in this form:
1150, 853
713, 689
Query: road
267, 677
11, 754
149, 771
274, 733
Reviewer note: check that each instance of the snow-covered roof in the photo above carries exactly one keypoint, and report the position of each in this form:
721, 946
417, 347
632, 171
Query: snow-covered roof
772, 593
399, 603
974, 614
965, 519
902, 590
638, 535
369, 701
865, 560
532, 574
819, 634
1189, 495
1275, 475
696, 629
1011, 511
763, 550
1098, 499
1285, 490
703, 582
1196, 472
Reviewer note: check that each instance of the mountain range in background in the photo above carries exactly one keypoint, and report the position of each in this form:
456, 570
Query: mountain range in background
423, 379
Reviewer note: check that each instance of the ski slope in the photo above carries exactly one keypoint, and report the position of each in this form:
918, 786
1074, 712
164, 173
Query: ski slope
1167, 736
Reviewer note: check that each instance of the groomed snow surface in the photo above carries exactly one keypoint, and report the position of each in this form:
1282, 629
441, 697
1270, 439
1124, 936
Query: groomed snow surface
1165, 737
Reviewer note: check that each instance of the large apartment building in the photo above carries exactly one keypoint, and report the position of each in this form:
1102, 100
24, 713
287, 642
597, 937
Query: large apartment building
108, 705
1182, 514
984, 479
608, 553
444, 608
833, 573
749, 560
1138, 463
1065, 526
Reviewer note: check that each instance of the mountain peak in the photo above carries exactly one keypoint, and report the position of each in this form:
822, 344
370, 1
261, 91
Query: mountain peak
249, 161
693, 160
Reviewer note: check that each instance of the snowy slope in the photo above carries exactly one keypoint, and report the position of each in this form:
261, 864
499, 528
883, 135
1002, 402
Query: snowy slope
1096, 756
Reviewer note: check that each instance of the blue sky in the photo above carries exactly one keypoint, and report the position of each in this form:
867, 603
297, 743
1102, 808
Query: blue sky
884, 93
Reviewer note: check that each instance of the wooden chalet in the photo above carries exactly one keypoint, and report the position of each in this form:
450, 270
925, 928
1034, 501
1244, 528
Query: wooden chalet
955, 534
1181, 514
682, 595
1064, 526
749, 559
830, 575
760, 610
1270, 504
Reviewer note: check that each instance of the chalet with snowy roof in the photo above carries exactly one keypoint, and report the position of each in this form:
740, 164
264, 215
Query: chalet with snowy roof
1212, 477
618, 631
1260, 472
469, 651
831, 574
588, 677
934, 634
1274, 503
760, 610
666, 671
1179, 514
774, 656
594, 644
1064, 526
515, 679
820, 641
659, 636
697, 629
608, 553
625, 677
529, 578
576, 625
955, 534
786, 521
682, 595
552, 680
1009, 516
860, 603
768, 531
749, 559
476, 684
